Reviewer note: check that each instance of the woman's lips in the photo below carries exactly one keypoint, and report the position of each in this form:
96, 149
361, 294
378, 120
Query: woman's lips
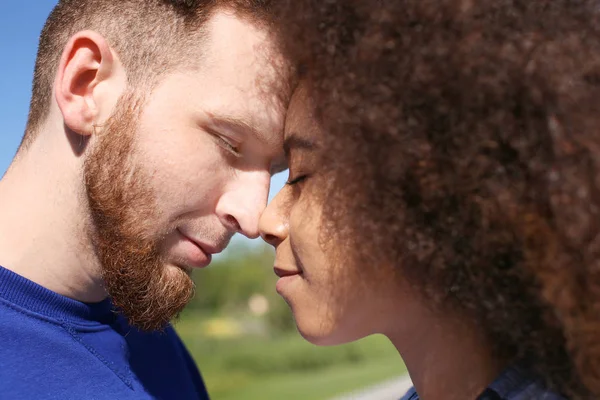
282, 273
286, 280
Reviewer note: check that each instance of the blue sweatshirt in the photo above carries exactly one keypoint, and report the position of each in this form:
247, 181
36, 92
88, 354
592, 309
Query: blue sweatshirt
53, 347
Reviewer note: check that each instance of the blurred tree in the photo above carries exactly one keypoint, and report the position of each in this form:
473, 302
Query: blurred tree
232, 279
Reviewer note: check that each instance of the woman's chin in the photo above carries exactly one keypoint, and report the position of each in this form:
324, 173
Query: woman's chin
319, 336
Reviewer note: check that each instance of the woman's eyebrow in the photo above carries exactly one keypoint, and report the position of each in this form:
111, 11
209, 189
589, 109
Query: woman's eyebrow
297, 142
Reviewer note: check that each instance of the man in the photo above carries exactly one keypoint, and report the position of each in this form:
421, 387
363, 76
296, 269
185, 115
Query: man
153, 131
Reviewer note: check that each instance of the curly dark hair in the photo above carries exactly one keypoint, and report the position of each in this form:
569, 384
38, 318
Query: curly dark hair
463, 138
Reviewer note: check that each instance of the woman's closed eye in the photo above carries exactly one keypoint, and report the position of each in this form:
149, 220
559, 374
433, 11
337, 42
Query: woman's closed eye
298, 179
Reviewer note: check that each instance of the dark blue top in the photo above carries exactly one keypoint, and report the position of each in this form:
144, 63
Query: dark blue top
513, 384
53, 347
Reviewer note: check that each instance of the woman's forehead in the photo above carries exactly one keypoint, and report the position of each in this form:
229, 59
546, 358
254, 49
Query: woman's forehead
300, 119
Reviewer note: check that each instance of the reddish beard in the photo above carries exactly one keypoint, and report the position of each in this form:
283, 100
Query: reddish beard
141, 285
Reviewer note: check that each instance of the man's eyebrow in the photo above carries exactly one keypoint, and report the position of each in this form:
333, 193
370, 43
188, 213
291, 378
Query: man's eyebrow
297, 142
235, 124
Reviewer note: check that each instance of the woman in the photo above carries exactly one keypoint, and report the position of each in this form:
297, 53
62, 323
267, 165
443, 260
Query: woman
443, 190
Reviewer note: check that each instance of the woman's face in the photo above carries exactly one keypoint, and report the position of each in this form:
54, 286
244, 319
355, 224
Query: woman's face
333, 301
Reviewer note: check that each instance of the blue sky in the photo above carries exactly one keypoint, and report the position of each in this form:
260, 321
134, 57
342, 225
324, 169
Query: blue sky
20, 26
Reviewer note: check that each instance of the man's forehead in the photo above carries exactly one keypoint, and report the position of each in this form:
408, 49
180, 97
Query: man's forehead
231, 38
240, 61
243, 81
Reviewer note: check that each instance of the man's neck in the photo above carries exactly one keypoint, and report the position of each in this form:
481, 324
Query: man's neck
446, 357
42, 223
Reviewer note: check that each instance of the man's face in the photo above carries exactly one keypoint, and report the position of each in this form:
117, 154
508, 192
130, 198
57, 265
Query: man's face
170, 179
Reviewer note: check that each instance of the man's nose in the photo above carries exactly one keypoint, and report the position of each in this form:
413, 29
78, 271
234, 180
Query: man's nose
242, 203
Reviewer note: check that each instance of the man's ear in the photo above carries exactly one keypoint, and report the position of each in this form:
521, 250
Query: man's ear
87, 65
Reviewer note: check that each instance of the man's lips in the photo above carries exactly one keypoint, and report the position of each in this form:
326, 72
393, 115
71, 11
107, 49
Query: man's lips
206, 248
202, 255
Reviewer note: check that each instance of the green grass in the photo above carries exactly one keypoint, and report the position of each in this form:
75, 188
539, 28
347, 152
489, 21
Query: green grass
286, 366
315, 385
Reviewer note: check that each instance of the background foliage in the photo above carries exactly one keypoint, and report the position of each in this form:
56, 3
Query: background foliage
248, 355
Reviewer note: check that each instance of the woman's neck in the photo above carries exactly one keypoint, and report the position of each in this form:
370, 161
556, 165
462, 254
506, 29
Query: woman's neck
447, 357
